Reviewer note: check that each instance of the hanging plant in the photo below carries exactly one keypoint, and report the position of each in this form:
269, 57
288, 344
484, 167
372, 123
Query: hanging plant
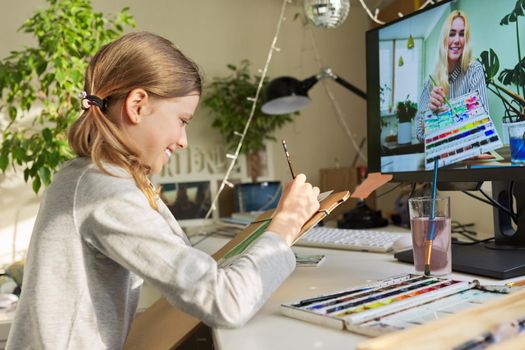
49, 77
410, 42
401, 62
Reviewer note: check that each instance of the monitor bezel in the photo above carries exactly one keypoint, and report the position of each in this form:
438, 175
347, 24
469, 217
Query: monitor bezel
373, 123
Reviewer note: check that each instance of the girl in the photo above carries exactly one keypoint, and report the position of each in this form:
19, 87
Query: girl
455, 73
101, 228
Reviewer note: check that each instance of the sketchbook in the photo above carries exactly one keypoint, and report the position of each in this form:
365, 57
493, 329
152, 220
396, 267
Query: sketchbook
243, 240
391, 304
463, 131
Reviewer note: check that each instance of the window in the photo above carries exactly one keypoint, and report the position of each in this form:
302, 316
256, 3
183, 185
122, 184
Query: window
400, 72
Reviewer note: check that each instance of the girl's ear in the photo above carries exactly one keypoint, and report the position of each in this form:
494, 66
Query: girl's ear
136, 105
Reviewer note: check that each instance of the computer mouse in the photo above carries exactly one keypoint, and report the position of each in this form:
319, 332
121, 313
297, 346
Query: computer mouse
402, 243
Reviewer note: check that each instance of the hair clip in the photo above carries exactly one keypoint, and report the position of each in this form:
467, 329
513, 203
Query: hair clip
89, 100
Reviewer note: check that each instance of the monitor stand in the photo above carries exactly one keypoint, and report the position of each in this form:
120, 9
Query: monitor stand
503, 259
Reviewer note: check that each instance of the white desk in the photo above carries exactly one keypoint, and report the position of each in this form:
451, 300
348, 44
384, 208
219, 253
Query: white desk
268, 329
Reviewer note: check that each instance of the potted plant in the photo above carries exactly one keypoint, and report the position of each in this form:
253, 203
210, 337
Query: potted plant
49, 77
406, 111
513, 100
230, 98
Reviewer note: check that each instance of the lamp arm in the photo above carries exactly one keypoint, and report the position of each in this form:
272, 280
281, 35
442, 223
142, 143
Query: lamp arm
308, 83
328, 73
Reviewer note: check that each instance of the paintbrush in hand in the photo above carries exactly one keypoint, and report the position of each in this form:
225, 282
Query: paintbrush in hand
444, 98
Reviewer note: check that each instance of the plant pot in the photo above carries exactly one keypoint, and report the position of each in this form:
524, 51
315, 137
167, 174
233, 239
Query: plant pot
404, 133
516, 134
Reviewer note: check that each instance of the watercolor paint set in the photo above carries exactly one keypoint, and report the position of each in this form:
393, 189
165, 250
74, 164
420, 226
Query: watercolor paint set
462, 131
391, 304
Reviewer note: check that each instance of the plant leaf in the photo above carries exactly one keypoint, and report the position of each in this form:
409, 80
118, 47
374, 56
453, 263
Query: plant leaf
4, 161
48, 136
36, 184
490, 62
45, 175
12, 113
514, 76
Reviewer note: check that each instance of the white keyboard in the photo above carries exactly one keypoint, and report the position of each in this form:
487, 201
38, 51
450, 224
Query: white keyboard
364, 240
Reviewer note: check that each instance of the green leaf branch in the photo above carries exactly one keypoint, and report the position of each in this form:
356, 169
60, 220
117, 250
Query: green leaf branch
46, 80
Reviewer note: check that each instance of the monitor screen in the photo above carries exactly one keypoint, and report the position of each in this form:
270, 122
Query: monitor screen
428, 96
446, 85
259, 196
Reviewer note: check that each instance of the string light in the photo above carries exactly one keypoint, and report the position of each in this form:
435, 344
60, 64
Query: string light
234, 156
375, 18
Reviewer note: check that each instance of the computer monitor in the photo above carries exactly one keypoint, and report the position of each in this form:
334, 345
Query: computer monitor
469, 134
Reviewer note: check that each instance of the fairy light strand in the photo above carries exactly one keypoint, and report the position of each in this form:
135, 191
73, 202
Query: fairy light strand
235, 156
375, 18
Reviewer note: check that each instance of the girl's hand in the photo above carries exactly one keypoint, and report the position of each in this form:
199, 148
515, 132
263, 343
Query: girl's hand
298, 203
437, 98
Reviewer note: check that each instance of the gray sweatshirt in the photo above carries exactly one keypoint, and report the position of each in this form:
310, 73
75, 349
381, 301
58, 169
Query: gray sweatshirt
96, 239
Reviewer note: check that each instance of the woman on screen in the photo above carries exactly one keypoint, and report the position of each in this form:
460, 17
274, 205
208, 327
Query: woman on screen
455, 73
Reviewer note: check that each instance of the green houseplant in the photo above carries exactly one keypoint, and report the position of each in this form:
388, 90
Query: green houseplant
230, 98
406, 111
49, 77
513, 101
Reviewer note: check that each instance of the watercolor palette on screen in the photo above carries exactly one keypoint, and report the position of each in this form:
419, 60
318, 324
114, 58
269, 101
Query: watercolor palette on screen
391, 304
463, 131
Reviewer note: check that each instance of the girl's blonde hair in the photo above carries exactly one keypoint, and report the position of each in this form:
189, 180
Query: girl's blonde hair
441, 70
136, 60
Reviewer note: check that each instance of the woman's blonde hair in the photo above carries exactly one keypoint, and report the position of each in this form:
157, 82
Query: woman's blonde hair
441, 70
136, 60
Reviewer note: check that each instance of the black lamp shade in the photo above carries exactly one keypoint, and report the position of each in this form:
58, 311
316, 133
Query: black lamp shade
284, 95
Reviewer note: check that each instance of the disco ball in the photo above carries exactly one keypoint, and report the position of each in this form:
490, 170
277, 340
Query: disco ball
326, 13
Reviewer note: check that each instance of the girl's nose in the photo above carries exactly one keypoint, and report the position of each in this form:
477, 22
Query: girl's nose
182, 142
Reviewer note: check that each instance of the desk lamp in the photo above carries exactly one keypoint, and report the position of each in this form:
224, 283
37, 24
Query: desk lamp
285, 95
